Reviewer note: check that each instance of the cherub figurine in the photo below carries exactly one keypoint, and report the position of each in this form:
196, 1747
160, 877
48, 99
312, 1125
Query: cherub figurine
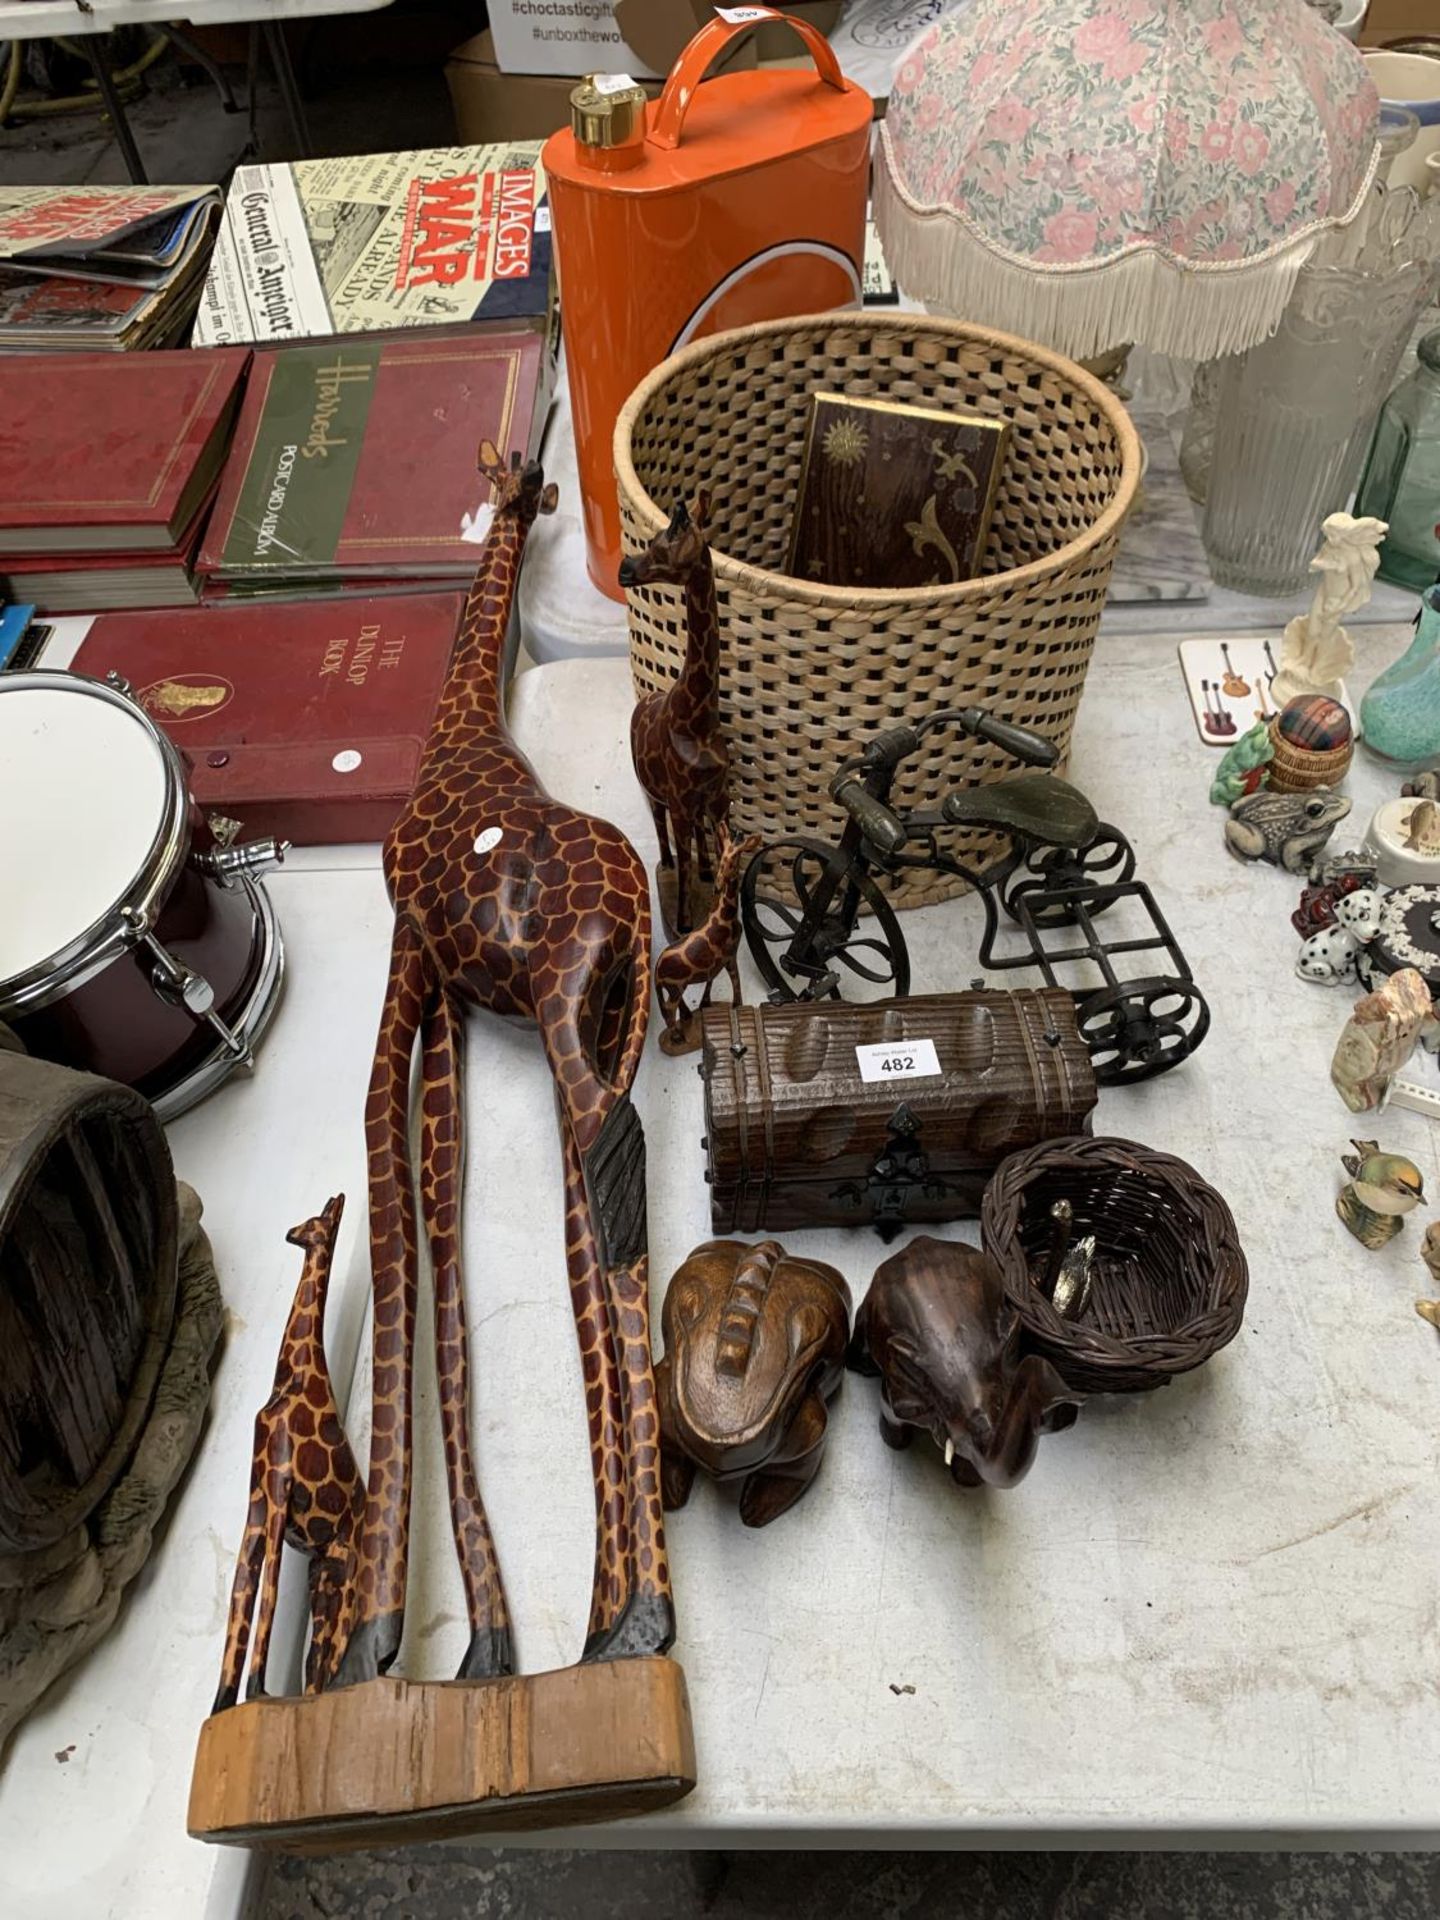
1382, 1189
1317, 651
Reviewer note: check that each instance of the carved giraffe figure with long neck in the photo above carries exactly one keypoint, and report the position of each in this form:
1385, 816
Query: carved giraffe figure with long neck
508, 900
680, 756
698, 958
305, 1487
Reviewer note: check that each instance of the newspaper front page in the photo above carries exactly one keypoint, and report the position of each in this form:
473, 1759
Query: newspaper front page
381, 240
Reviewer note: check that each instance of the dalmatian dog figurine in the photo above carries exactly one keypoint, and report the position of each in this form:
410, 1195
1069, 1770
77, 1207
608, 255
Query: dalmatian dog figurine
1331, 956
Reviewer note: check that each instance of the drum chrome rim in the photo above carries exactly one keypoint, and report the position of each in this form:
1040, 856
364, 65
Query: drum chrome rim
249, 1024
137, 907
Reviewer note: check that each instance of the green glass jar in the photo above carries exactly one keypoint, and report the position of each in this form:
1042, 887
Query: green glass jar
1401, 483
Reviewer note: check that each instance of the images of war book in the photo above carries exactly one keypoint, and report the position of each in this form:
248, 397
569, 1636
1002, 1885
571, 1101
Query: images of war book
355, 460
435, 237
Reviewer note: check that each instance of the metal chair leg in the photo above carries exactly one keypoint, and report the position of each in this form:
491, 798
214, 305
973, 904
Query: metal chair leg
274, 33
119, 124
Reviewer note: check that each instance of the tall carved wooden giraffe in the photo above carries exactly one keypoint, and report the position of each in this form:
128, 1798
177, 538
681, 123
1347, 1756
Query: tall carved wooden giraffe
305, 1487
680, 757
508, 900
699, 958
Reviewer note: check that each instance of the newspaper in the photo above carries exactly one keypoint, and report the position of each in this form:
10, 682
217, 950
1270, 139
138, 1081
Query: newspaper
381, 240
36, 220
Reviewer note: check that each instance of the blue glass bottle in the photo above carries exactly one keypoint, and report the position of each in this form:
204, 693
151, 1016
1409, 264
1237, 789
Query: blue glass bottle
1400, 715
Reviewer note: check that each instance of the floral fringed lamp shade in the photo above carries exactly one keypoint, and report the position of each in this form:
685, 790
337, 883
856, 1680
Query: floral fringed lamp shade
1089, 172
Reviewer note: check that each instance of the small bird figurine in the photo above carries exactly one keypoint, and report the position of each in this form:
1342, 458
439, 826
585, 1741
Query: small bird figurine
1382, 1188
1430, 1250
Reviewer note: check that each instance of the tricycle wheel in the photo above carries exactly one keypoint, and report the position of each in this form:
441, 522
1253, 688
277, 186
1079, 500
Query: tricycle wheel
779, 886
1141, 1028
1106, 860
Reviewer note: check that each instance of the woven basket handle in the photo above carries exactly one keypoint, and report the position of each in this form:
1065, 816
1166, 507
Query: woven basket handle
690, 69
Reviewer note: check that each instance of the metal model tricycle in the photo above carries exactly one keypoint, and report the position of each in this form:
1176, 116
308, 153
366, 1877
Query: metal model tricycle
802, 900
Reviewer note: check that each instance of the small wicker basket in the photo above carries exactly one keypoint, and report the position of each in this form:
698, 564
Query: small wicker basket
1297, 769
1168, 1281
809, 672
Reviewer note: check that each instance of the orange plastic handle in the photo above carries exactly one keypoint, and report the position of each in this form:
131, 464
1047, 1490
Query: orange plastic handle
690, 69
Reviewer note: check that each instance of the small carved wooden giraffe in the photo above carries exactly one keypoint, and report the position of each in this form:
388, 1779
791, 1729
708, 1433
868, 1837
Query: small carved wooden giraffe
508, 900
305, 1487
680, 757
700, 957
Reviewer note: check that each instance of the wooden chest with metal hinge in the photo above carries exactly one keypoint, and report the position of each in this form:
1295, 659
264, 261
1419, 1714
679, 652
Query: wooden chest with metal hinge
887, 1113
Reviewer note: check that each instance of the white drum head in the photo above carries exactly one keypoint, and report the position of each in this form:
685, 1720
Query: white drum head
82, 800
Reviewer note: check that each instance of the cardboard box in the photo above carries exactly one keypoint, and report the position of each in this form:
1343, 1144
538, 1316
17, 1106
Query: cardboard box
638, 37
1395, 19
491, 105
777, 45
527, 106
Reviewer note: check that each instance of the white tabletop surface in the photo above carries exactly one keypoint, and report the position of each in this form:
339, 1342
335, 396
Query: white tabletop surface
1207, 1614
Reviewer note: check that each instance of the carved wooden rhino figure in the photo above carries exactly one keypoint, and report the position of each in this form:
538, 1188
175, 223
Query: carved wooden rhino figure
754, 1348
938, 1330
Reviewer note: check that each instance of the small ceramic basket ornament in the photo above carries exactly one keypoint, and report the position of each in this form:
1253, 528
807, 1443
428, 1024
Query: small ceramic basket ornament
1313, 743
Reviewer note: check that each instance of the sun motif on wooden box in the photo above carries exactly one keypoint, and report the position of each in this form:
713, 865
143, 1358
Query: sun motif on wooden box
845, 443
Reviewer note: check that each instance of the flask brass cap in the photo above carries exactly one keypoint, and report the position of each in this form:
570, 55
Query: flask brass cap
607, 110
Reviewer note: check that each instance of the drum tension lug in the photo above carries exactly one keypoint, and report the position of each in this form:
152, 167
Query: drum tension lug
180, 986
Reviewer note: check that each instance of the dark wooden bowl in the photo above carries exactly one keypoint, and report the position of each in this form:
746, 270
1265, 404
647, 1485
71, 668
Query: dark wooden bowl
1168, 1280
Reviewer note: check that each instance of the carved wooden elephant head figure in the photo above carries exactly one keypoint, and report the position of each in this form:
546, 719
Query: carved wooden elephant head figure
938, 1330
754, 1348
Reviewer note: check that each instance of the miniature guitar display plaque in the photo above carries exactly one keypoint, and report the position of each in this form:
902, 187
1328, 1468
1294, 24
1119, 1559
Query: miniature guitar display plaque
894, 496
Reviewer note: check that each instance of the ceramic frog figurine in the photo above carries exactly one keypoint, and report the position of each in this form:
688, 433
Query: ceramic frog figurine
1287, 829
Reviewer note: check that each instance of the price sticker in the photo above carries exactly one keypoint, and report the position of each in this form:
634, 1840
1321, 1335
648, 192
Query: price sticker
898, 1060
737, 16
612, 82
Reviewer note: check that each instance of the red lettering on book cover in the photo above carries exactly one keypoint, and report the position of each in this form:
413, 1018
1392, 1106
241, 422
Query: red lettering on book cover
514, 226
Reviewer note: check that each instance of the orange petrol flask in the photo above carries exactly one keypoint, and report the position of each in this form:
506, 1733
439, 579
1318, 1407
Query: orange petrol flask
715, 206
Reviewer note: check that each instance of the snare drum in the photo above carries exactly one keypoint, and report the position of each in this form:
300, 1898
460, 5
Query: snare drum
133, 943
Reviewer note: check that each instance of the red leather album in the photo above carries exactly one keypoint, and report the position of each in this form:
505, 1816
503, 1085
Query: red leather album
305, 721
106, 452
358, 456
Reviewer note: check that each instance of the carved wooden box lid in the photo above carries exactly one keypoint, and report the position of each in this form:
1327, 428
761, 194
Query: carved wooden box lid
823, 1094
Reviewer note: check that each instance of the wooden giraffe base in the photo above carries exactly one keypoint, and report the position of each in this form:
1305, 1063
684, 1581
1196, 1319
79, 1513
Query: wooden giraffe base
400, 1760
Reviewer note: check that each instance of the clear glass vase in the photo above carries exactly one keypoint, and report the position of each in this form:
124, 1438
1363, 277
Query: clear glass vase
1294, 419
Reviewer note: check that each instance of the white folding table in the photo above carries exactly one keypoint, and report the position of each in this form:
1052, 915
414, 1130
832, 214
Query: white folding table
1207, 1617
80, 20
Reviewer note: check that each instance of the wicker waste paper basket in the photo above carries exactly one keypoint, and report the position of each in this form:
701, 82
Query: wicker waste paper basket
809, 672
